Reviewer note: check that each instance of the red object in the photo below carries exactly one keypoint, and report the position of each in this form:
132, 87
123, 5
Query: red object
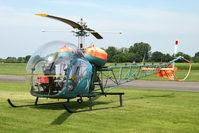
176, 42
167, 74
43, 80
81, 45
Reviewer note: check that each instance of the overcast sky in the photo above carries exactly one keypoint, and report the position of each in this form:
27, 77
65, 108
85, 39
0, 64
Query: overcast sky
157, 22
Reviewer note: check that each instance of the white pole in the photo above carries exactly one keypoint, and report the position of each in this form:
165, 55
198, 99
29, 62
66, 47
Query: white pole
175, 51
176, 48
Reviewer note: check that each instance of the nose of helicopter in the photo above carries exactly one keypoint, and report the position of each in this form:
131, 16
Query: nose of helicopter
50, 67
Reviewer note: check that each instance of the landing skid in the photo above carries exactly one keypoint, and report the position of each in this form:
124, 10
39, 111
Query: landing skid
69, 110
90, 103
35, 104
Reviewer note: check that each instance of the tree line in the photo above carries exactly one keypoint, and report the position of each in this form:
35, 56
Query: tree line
138, 52
16, 60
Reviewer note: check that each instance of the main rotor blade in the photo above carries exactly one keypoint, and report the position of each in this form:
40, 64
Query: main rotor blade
94, 33
69, 22
73, 24
98, 36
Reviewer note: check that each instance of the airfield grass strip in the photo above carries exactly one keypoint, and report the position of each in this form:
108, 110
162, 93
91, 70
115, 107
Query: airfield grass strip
20, 68
144, 110
13, 68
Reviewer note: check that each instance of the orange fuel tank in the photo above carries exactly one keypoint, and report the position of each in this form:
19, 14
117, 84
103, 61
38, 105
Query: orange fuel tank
96, 56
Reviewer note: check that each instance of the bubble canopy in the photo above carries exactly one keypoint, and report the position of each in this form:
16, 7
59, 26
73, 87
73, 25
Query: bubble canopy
51, 68
51, 52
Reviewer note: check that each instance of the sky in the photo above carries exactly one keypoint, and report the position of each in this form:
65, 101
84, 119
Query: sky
157, 22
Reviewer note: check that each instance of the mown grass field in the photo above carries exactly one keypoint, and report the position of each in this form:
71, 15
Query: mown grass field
180, 73
13, 68
193, 77
181, 66
19, 69
151, 111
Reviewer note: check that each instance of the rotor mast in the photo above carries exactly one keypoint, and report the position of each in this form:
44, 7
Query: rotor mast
81, 34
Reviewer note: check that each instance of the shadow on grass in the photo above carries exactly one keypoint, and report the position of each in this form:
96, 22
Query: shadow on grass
73, 105
61, 118
152, 96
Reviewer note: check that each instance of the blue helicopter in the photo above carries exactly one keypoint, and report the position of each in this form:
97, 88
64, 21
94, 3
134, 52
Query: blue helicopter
61, 70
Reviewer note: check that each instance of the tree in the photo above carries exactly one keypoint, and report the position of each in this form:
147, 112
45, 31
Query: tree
157, 56
21, 59
119, 58
123, 50
1, 60
143, 49
111, 51
196, 54
183, 55
196, 57
131, 50
27, 58
11, 59
166, 58
133, 57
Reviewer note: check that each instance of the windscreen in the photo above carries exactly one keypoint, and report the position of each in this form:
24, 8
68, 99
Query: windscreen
47, 67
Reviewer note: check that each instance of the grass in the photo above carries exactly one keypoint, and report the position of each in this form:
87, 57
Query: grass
13, 68
193, 77
181, 66
185, 66
180, 74
19, 69
144, 110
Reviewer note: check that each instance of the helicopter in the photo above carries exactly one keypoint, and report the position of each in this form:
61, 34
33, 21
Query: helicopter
62, 70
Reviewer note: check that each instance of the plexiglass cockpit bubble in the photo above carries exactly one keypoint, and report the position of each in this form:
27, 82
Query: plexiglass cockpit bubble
47, 68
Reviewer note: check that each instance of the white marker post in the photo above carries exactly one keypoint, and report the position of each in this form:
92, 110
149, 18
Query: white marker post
175, 51
176, 48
